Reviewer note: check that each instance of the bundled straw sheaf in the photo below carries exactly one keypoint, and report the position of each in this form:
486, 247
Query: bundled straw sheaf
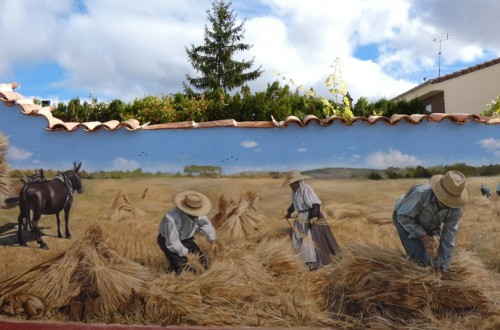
122, 209
145, 194
242, 287
4, 170
346, 211
88, 262
372, 281
238, 216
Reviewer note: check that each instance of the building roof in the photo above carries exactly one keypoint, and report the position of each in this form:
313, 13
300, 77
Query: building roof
28, 107
453, 75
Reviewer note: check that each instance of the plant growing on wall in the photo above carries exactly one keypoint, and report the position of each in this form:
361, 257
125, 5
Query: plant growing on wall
341, 104
492, 108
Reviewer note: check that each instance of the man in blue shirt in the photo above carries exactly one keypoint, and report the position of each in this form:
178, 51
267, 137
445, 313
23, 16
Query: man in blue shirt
178, 226
429, 210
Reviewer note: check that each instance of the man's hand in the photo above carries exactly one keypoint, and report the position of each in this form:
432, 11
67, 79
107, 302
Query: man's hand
429, 243
313, 220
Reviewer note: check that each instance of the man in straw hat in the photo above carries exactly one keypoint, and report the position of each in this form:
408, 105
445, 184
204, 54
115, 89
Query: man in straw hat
312, 237
431, 210
177, 228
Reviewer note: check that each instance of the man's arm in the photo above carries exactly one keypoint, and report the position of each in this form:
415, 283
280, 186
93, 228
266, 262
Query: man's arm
447, 241
409, 208
172, 241
205, 226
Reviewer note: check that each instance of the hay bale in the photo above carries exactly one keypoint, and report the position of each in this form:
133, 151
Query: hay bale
480, 201
122, 209
346, 211
382, 218
4, 170
238, 216
89, 263
371, 281
145, 194
246, 284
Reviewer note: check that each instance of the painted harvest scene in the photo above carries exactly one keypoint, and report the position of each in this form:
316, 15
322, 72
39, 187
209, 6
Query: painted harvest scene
275, 164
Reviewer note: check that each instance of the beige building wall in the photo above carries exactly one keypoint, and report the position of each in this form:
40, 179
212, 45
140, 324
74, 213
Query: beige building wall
471, 93
468, 93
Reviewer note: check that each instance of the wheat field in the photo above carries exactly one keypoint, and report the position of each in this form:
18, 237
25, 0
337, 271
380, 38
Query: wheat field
259, 281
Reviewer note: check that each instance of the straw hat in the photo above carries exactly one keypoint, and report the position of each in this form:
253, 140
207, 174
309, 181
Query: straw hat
294, 176
450, 189
193, 203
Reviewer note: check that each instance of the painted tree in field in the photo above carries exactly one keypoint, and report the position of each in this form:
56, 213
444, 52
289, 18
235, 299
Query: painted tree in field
214, 60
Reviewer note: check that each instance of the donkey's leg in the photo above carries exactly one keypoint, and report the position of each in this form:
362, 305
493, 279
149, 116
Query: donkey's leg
36, 217
30, 221
25, 223
20, 220
59, 234
66, 220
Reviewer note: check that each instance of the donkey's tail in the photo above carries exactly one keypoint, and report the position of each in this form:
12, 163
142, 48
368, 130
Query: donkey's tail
10, 202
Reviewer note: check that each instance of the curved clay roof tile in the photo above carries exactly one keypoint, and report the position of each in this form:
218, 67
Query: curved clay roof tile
28, 107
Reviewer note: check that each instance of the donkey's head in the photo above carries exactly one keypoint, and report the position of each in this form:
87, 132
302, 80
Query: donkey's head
74, 177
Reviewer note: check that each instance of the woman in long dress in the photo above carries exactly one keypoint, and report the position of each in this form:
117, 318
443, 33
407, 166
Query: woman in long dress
312, 238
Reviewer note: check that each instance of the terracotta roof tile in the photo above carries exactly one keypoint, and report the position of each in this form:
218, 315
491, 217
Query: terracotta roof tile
28, 107
466, 71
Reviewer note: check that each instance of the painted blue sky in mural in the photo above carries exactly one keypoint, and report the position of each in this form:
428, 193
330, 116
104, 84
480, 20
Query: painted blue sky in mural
375, 146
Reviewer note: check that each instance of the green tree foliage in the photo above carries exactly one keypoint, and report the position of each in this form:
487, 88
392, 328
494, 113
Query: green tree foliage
199, 170
215, 59
278, 101
387, 108
374, 176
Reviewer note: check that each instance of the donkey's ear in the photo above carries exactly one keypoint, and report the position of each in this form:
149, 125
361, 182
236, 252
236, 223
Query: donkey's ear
77, 167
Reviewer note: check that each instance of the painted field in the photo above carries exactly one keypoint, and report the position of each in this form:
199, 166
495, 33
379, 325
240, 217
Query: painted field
256, 280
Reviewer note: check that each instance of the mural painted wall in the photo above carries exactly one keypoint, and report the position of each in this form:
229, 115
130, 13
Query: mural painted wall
251, 271
235, 150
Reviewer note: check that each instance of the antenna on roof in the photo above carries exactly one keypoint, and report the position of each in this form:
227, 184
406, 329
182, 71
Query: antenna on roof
440, 39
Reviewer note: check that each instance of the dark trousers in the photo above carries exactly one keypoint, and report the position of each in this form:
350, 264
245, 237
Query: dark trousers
414, 247
177, 263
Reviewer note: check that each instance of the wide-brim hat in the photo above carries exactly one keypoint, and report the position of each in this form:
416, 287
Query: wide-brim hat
450, 189
294, 176
193, 203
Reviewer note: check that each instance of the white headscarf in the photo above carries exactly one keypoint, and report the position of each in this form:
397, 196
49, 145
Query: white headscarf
304, 197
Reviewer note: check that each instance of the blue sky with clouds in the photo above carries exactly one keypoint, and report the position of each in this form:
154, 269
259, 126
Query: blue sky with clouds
376, 146
125, 49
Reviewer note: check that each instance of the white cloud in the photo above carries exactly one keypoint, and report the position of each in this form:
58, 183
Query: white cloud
122, 164
491, 145
394, 158
17, 153
249, 144
123, 49
302, 150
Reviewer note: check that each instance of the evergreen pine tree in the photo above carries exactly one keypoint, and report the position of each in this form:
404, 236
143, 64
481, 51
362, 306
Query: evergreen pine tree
214, 60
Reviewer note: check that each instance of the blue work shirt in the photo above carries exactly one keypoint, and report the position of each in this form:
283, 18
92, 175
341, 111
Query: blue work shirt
418, 213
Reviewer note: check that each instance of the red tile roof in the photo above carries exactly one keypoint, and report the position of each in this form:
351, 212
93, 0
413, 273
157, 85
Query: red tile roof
465, 71
28, 107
